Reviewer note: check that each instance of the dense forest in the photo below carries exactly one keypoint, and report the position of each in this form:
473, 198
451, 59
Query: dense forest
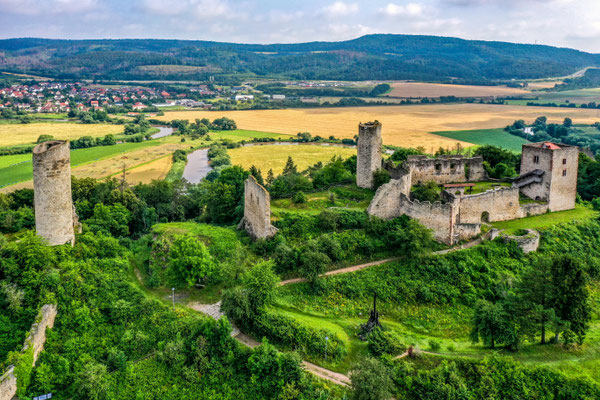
368, 57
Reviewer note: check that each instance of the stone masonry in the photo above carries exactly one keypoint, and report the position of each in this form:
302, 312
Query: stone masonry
257, 211
548, 175
556, 165
37, 339
52, 192
369, 153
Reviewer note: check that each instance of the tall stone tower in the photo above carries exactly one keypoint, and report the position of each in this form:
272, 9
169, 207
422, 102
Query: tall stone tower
369, 153
549, 173
52, 192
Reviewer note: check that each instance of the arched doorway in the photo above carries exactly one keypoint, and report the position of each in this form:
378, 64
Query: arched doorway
485, 216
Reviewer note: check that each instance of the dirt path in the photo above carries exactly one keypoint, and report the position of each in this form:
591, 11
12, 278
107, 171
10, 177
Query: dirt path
354, 268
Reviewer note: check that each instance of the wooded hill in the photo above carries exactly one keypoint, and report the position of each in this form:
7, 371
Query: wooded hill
382, 56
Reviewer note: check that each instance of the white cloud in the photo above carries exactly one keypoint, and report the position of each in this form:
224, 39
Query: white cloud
198, 8
408, 10
40, 7
339, 8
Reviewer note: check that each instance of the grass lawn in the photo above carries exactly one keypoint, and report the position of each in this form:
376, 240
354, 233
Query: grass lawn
266, 157
347, 197
242, 134
580, 212
496, 137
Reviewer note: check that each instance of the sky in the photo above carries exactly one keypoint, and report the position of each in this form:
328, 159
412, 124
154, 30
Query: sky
563, 23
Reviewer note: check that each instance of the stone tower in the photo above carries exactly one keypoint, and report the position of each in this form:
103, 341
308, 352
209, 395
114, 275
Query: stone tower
369, 153
549, 173
257, 211
52, 192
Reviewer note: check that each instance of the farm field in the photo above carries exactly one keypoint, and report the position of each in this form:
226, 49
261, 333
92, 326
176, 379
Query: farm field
496, 137
266, 157
408, 126
145, 173
573, 96
239, 135
13, 134
422, 89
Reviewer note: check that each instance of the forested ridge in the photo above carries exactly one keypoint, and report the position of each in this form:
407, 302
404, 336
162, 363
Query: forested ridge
381, 56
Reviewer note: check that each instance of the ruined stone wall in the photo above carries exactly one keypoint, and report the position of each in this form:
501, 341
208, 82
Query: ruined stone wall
386, 202
444, 169
257, 211
528, 242
528, 210
369, 153
389, 202
52, 192
500, 204
563, 186
466, 231
36, 339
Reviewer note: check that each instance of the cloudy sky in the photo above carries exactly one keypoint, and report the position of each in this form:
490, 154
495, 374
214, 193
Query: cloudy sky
566, 23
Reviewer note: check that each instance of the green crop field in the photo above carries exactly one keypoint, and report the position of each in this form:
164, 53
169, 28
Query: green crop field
239, 135
18, 168
496, 137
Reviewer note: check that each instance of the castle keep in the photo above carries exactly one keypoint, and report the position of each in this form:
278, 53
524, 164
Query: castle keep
548, 177
257, 211
54, 212
369, 153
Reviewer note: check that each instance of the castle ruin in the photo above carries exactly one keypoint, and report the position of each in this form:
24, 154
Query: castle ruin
548, 177
257, 211
53, 204
369, 153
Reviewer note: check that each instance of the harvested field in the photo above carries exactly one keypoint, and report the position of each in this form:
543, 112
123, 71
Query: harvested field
12, 134
421, 89
407, 126
157, 169
537, 85
275, 156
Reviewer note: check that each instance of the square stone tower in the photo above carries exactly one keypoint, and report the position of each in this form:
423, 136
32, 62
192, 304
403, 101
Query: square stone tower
559, 163
369, 153
257, 211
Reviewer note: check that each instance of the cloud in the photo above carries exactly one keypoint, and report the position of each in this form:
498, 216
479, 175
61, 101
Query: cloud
198, 8
339, 8
53, 7
409, 10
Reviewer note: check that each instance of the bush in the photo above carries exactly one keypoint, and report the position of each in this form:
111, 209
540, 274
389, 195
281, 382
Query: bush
380, 177
299, 198
434, 345
381, 342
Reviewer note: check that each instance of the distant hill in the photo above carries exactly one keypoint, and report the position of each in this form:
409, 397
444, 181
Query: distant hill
389, 56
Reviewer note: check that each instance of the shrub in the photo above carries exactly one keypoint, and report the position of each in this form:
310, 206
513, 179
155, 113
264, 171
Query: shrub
299, 198
434, 345
381, 342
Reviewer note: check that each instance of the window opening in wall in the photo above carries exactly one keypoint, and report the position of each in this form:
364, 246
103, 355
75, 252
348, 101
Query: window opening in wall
438, 167
485, 217
564, 161
536, 159
564, 172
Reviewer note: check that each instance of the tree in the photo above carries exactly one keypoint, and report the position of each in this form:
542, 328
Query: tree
489, 323
190, 260
571, 300
44, 138
313, 264
380, 177
370, 381
260, 283
112, 220
429, 191
290, 168
93, 380
257, 174
568, 122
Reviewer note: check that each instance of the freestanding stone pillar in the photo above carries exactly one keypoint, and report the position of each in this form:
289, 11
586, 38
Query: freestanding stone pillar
52, 192
369, 153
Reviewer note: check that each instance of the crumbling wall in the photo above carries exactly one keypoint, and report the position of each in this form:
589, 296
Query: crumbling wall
446, 169
52, 192
369, 153
36, 339
466, 231
528, 210
257, 211
389, 202
499, 204
386, 202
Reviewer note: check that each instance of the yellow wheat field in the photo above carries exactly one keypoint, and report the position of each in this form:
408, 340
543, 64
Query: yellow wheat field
275, 156
157, 169
421, 89
12, 134
407, 126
